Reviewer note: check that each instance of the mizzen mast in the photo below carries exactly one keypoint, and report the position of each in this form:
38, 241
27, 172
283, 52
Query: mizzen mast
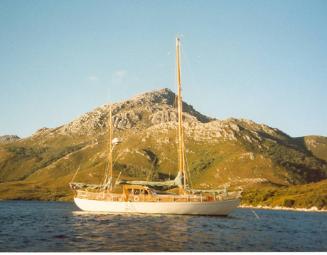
110, 147
181, 147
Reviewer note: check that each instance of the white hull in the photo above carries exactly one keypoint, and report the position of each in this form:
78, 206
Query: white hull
222, 207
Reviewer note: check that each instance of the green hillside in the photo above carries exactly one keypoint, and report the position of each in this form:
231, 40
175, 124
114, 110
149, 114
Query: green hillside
317, 145
298, 196
234, 152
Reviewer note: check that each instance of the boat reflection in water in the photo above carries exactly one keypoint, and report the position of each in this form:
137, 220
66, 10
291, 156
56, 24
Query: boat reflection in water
134, 232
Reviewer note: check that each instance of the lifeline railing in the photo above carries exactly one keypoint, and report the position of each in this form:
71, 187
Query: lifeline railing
154, 197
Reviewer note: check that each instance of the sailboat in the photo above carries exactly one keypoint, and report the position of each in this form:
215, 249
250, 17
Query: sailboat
151, 197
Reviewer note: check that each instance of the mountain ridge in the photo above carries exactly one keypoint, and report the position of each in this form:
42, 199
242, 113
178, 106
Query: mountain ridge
239, 152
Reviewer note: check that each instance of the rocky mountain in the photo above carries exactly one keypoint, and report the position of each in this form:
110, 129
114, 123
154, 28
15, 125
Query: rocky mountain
317, 145
234, 152
8, 138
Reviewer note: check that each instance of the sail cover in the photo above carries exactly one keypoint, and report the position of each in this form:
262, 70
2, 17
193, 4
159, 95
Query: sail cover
162, 186
79, 185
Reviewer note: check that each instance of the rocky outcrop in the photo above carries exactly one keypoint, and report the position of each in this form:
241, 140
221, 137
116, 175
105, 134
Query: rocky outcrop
159, 107
317, 145
8, 138
144, 110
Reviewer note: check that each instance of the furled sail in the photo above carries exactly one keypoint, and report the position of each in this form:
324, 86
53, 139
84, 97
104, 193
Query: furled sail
162, 186
86, 186
80, 185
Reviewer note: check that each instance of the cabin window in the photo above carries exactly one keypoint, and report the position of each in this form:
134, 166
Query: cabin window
136, 192
145, 192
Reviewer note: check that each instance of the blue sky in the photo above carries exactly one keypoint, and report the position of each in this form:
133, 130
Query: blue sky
261, 60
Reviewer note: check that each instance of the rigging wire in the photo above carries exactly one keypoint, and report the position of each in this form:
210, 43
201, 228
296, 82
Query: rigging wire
106, 174
256, 215
75, 174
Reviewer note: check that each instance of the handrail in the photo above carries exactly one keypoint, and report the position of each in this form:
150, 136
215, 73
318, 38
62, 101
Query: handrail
153, 198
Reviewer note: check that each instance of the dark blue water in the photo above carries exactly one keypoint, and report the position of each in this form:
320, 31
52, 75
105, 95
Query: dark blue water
56, 226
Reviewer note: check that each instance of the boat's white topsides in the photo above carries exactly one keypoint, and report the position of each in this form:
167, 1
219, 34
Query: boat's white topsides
223, 207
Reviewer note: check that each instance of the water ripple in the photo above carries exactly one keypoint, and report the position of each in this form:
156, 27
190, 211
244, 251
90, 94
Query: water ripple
54, 226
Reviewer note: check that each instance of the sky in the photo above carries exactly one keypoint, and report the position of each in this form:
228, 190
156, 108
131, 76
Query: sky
260, 60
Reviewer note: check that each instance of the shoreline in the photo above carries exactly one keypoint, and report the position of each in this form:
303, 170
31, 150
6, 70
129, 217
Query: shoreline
282, 208
264, 207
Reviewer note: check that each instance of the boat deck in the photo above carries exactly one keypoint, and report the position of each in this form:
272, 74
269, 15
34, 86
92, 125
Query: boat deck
108, 196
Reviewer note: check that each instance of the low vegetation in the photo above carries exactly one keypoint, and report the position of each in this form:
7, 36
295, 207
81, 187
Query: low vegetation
272, 168
296, 196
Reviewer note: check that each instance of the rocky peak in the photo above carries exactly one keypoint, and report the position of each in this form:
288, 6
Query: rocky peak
163, 99
157, 110
8, 138
161, 96
143, 110
257, 128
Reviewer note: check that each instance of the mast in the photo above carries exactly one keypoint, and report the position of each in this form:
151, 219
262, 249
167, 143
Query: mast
110, 147
181, 149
